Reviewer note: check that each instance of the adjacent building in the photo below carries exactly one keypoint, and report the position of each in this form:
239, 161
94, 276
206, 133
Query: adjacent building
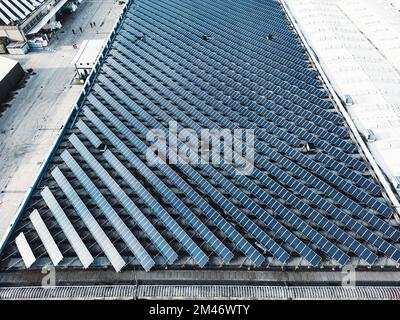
11, 74
21, 18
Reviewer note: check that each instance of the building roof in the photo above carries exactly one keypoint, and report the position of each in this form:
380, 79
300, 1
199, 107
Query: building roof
6, 65
310, 202
358, 45
88, 53
14, 11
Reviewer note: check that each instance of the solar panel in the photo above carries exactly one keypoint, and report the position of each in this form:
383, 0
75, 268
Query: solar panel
261, 134
240, 58
329, 248
233, 235
234, 50
275, 226
45, 236
212, 214
69, 231
232, 93
318, 218
170, 197
357, 227
260, 235
95, 229
133, 244
310, 197
160, 243
88, 133
163, 215
328, 146
25, 250
211, 101
271, 223
353, 175
261, 146
195, 251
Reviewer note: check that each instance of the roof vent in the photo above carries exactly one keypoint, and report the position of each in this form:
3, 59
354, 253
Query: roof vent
270, 37
370, 135
206, 37
348, 100
310, 146
396, 183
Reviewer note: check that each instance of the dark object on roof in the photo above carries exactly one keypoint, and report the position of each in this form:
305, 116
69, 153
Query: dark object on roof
113, 209
206, 37
270, 37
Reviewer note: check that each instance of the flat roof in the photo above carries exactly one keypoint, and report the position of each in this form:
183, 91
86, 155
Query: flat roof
358, 46
310, 203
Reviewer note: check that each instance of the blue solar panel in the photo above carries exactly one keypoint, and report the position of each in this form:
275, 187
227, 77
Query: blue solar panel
295, 242
95, 229
176, 112
160, 243
130, 240
298, 156
212, 214
317, 217
374, 220
357, 227
170, 223
329, 248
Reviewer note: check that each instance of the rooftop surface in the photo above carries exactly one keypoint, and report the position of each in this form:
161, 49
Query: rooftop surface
312, 201
358, 45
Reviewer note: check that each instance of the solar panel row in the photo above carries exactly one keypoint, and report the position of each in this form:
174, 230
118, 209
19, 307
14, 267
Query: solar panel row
164, 248
190, 62
282, 160
120, 227
95, 229
68, 229
239, 216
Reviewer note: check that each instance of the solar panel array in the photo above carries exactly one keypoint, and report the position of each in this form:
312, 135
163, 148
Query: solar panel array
13, 11
311, 199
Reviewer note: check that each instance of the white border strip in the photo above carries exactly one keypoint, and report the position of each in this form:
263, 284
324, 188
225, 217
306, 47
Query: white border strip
200, 292
347, 117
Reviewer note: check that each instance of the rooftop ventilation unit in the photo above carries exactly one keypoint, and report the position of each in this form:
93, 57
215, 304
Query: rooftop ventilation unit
348, 100
370, 135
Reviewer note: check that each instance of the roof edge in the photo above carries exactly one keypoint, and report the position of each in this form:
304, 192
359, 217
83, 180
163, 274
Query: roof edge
200, 292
